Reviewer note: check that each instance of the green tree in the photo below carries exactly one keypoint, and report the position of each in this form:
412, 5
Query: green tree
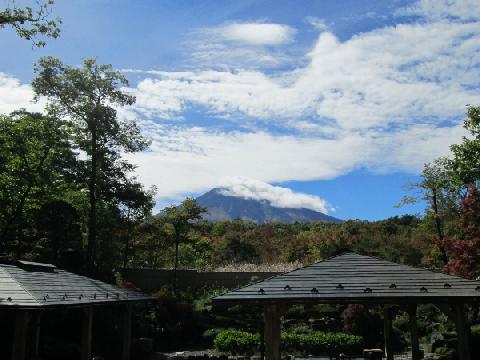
31, 22
181, 220
150, 244
441, 189
88, 97
466, 156
57, 224
36, 162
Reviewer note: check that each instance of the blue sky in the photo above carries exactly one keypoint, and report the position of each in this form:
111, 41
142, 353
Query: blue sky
342, 102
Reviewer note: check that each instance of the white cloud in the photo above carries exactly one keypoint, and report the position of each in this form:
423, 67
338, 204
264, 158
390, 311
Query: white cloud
258, 34
403, 74
277, 196
186, 161
317, 23
386, 100
245, 45
14, 95
443, 9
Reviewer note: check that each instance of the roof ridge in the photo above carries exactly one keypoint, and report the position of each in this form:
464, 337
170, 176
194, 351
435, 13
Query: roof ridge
344, 251
19, 284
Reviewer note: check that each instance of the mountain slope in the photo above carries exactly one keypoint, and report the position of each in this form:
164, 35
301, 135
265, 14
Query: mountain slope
225, 207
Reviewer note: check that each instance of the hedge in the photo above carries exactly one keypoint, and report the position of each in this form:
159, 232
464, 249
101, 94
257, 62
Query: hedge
315, 343
236, 342
322, 343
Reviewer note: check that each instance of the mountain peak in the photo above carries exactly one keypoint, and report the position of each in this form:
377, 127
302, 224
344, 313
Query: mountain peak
222, 205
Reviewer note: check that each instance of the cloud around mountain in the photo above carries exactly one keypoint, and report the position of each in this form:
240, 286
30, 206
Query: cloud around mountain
277, 196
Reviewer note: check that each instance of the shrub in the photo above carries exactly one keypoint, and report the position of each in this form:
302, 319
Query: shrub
236, 342
444, 353
314, 343
321, 343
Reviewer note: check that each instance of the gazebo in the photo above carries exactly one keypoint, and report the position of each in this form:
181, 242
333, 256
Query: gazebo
30, 289
351, 278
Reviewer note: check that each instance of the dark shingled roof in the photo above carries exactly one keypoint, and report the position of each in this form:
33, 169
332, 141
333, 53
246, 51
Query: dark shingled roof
353, 278
36, 285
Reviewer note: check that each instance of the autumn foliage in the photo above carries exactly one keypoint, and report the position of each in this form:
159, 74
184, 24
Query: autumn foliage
463, 252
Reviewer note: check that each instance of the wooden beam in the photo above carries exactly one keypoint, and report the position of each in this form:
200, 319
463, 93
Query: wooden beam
127, 332
412, 323
463, 332
87, 324
272, 332
20, 335
387, 332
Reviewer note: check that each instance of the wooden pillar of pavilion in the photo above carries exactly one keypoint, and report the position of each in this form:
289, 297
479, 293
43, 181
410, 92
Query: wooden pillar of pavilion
463, 332
20, 335
36, 348
412, 323
387, 332
127, 332
456, 313
87, 324
272, 331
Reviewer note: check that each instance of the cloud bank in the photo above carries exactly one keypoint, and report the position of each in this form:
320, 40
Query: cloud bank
385, 100
277, 196
15, 95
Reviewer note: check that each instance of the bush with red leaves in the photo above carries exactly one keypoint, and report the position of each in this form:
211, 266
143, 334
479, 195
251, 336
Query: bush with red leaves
464, 252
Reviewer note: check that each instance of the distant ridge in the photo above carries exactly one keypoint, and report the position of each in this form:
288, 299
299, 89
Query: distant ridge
223, 207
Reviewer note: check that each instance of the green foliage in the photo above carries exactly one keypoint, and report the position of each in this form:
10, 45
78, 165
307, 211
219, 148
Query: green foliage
179, 221
315, 343
30, 22
36, 166
59, 234
322, 343
466, 155
202, 301
88, 97
209, 246
236, 342
445, 353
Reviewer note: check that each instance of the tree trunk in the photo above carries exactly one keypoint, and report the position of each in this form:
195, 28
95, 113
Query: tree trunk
438, 224
92, 218
177, 241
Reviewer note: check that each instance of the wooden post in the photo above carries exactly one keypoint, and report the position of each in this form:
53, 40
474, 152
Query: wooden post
127, 332
38, 319
387, 332
262, 341
272, 332
456, 313
463, 332
20, 335
412, 315
87, 323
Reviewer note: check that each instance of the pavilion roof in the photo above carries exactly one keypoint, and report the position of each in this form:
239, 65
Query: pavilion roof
37, 285
353, 278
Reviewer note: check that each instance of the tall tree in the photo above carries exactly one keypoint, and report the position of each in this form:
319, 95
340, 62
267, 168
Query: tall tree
88, 97
181, 220
31, 22
466, 155
441, 189
36, 158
